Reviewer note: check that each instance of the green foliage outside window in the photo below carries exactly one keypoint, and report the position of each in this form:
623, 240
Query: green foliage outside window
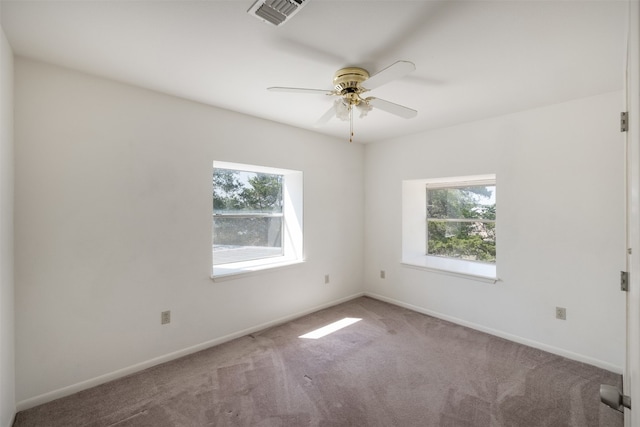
461, 223
237, 191
247, 208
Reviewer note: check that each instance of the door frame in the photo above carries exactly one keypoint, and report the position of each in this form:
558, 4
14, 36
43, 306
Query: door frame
632, 95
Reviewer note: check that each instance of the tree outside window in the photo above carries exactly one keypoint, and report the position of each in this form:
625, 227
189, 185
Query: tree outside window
461, 222
248, 215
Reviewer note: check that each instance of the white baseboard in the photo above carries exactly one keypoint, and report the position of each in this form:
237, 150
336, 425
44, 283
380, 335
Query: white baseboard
520, 340
83, 385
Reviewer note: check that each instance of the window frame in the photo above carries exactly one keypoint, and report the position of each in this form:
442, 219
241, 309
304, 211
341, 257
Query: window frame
414, 230
292, 224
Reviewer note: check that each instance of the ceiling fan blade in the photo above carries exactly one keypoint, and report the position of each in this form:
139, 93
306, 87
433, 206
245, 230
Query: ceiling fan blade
331, 112
392, 108
392, 72
300, 90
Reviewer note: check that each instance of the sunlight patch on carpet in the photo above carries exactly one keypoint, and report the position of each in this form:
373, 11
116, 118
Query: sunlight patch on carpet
330, 328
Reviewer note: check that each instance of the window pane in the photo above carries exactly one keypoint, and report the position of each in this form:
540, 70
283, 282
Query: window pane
473, 202
236, 191
244, 239
457, 235
243, 228
474, 241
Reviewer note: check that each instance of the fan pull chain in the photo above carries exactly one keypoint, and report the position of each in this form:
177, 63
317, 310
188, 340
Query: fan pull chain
350, 123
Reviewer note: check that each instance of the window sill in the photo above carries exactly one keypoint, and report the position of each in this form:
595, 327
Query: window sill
467, 269
237, 270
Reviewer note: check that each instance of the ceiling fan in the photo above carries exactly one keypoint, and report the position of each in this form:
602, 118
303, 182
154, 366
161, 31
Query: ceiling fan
350, 83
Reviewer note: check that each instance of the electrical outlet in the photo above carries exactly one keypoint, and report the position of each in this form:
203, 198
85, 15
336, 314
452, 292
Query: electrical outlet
165, 317
326, 278
383, 274
561, 313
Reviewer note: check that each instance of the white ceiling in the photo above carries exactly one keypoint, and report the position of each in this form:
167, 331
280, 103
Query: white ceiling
474, 59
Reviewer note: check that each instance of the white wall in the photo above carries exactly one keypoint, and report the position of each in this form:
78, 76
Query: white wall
7, 367
560, 230
113, 226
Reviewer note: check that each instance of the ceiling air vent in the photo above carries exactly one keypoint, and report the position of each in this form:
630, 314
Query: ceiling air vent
276, 12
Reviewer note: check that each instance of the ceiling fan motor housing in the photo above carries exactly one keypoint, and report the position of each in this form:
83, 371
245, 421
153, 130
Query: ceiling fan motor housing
348, 80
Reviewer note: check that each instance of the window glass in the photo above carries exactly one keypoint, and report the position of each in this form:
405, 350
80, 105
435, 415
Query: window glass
248, 215
461, 222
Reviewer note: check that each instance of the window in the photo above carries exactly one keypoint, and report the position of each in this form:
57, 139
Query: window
461, 222
257, 218
449, 225
247, 215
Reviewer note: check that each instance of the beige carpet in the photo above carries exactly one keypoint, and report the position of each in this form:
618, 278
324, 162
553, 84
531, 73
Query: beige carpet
394, 367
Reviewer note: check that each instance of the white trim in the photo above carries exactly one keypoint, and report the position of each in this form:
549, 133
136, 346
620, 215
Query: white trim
251, 168
454, 181
120, 373
464, 275
515, 338
228, 272
460, 181
631, 376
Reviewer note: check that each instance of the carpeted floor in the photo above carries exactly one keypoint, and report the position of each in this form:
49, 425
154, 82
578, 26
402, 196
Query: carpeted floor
394, 367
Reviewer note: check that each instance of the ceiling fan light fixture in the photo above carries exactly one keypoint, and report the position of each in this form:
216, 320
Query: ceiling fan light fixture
342, 109
364, 108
